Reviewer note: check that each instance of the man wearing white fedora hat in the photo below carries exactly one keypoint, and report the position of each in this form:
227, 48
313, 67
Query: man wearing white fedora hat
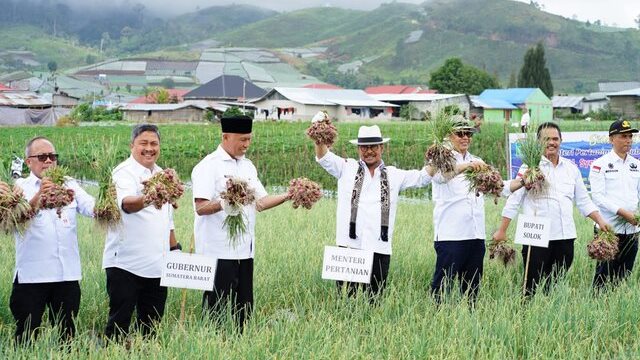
367, 200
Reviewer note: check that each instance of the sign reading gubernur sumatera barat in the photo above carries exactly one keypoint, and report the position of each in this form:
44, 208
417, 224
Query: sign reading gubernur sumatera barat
188, 271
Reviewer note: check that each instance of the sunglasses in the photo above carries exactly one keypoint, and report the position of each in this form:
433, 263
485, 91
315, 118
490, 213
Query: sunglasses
461, 134
44, 157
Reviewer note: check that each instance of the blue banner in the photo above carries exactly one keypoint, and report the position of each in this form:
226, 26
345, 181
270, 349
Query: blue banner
580, 147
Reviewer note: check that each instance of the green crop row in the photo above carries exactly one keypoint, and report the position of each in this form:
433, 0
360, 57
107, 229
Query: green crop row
280, 151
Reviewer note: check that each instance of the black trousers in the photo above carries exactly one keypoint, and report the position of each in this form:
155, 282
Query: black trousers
233, 283
461, 259
28, 302
379, 274
128, 292
619, 268
547, 264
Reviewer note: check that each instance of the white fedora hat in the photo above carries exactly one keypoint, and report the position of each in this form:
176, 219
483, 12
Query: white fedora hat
369, 135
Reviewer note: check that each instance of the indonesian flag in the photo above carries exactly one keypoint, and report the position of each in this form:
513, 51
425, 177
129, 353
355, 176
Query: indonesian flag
595, 168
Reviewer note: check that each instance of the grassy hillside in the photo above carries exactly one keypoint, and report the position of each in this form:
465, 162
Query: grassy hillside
296, 28
65, 52
491, 34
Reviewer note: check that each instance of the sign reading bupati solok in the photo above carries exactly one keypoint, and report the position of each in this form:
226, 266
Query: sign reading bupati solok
532, 230
188, 271
345, 264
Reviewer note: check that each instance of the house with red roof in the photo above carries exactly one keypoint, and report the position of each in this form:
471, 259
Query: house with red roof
150, 99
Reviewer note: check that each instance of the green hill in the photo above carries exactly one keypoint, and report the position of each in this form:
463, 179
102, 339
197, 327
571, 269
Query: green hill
43, 48
491, 34
394, 43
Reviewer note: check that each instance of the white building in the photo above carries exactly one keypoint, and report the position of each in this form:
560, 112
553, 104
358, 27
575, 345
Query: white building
426, 104
303, 103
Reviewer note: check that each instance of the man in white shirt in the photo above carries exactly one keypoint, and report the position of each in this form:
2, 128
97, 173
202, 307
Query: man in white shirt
134, 248
565, 188
234, 271
524, 120
47, 271
368, 201
458, 221
615, 189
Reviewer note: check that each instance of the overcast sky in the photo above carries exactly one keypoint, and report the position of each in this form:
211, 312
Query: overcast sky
620, 12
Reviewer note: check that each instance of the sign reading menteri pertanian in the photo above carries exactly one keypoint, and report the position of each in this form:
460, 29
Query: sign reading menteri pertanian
345, 264
532, 230
188, 271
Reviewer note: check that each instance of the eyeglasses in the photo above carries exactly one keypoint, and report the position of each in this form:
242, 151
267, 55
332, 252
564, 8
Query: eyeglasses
461, 134
44, 157
369, 147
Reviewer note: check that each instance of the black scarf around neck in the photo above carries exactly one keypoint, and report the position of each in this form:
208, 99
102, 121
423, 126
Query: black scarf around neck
385, 201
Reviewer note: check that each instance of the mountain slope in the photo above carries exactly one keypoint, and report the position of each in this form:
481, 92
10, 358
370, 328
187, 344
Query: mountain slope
491, 34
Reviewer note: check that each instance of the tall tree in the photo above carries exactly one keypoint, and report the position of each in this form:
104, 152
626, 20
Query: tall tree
455, 77
534, 71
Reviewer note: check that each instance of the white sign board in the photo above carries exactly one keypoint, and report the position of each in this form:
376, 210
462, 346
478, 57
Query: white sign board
345, 264
532, 230
188, 271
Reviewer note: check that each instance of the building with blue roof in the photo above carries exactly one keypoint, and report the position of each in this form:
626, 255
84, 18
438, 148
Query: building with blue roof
506, 105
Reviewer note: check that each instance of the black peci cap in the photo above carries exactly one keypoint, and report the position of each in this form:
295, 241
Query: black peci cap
240, 124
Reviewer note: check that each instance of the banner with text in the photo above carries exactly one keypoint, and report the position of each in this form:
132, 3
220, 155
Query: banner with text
345, 264
188, 271
580, 147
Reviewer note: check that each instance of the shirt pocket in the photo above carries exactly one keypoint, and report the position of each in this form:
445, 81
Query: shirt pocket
68, 216
613, 176
566, 188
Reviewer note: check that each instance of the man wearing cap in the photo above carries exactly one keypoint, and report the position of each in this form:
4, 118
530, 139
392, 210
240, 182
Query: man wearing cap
615, 189
565, 187
134, 249
234, 271
367, 200
458, 218
47, 270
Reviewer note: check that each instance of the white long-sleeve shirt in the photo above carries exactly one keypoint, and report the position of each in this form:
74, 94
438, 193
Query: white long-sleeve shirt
615, 184
48, 250
369, 217
209, 179
138, 243
565, 188
458, 214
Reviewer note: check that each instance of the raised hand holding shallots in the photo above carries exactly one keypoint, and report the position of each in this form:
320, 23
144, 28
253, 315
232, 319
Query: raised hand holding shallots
106, 211
322, 131
484, 179
162, 188
530, 150
303, 192
439, 155
53, 193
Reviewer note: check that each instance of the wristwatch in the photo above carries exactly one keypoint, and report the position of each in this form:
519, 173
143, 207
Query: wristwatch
522, 181
177, 246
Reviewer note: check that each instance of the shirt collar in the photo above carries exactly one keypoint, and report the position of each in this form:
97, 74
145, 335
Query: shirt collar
220, 151
362, 163
32, 179
459, 156
613, 157
545, 161
141, 170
